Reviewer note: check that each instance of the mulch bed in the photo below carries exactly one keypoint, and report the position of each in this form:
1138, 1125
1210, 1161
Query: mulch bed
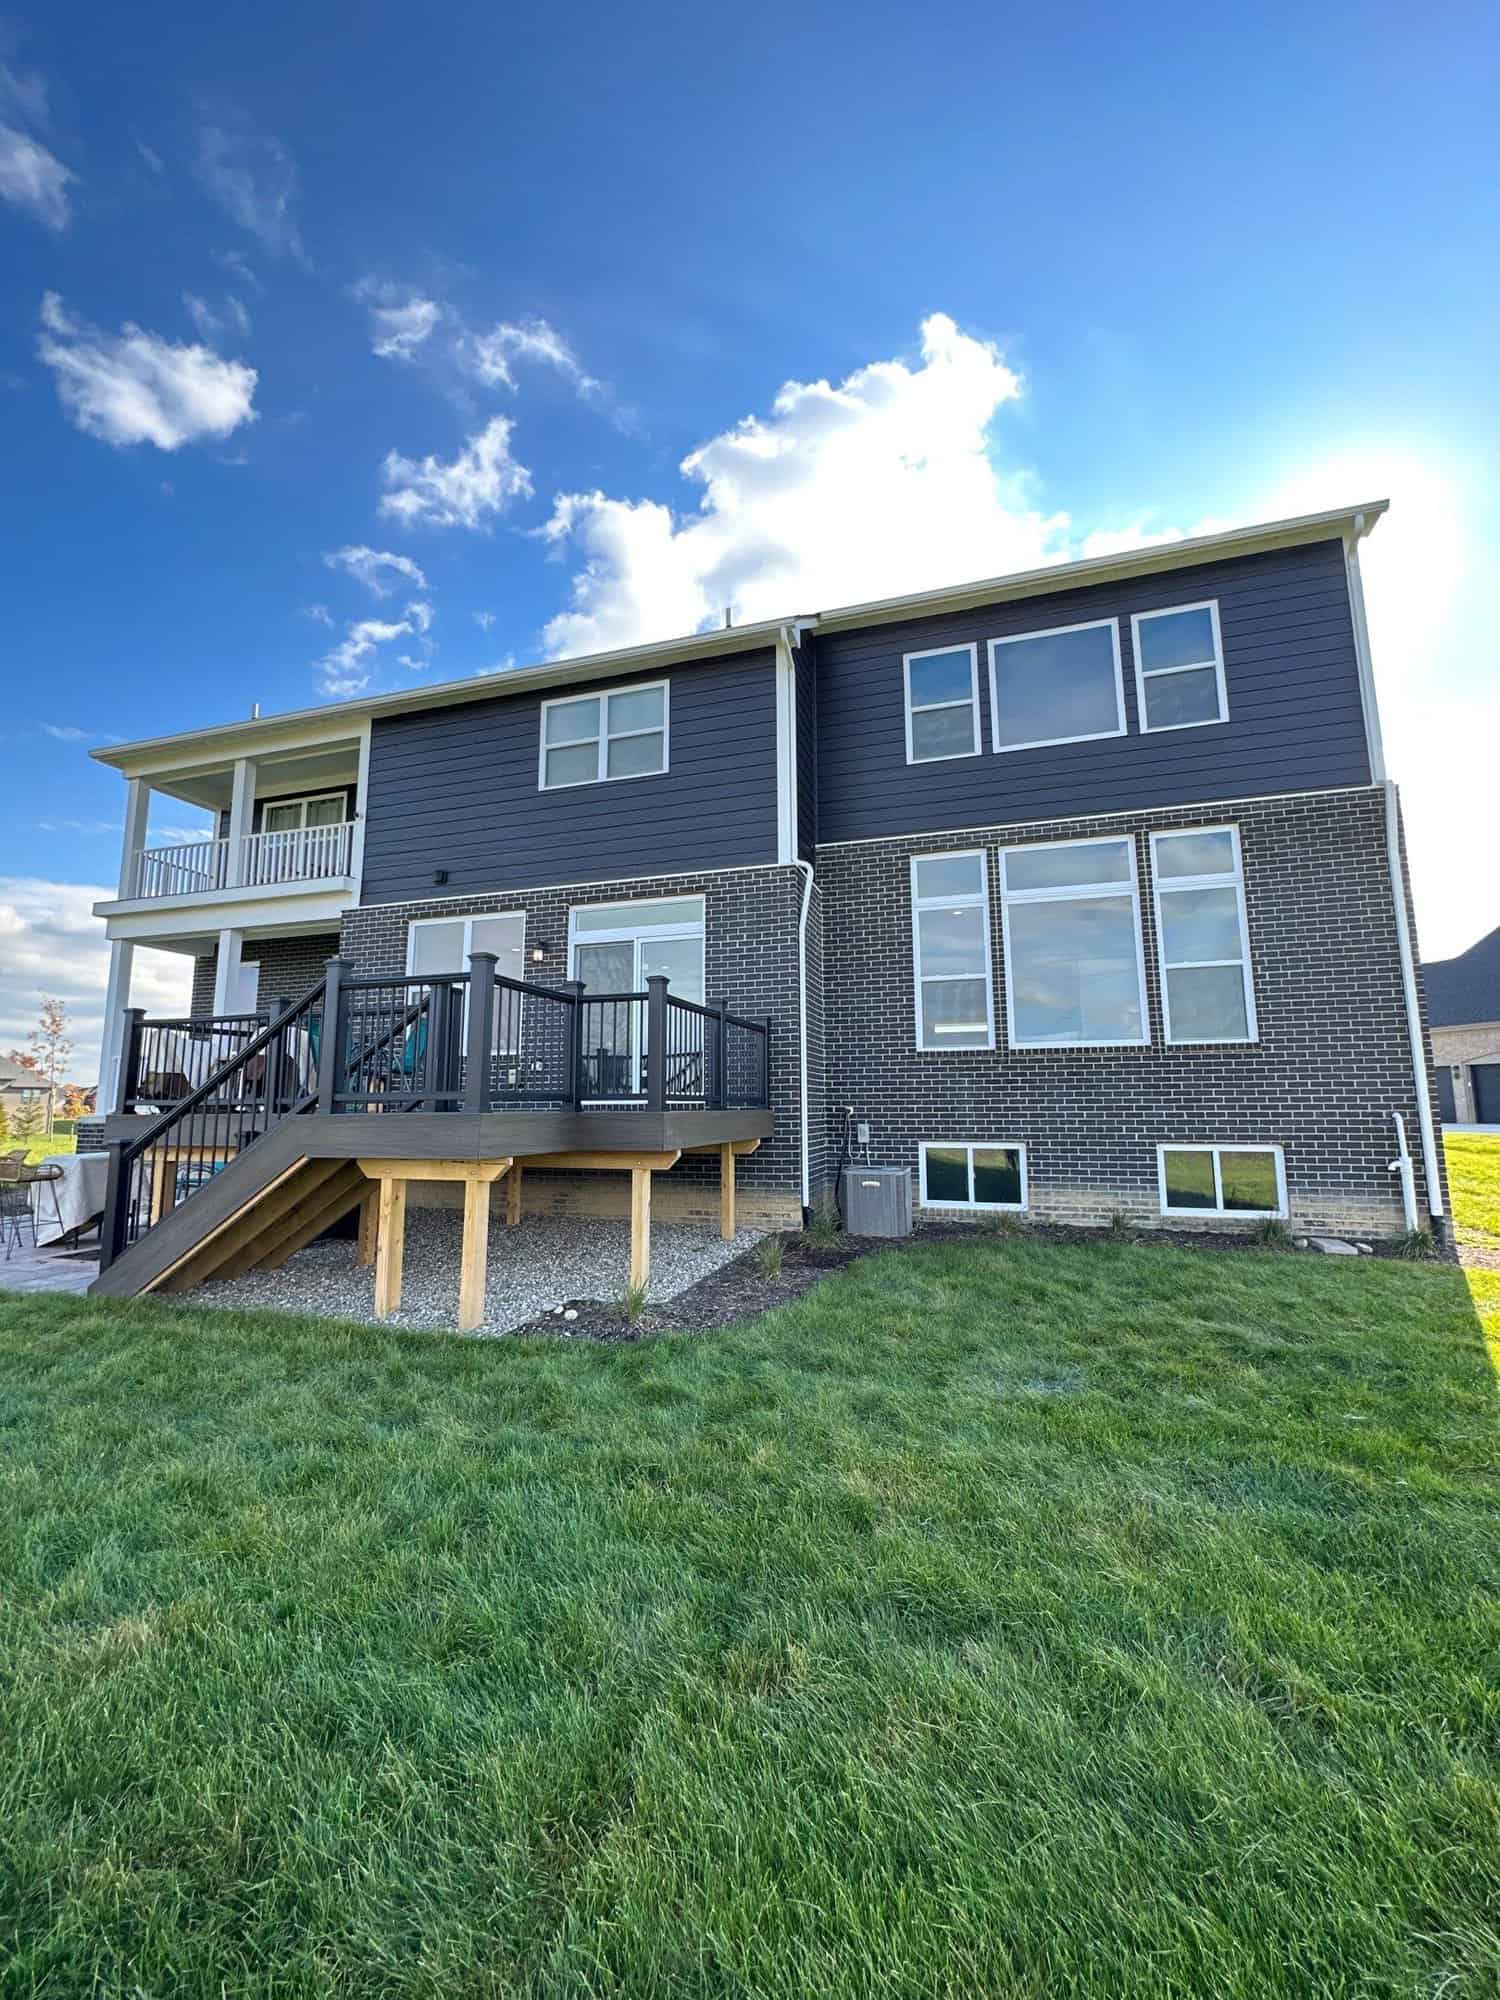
742, 1290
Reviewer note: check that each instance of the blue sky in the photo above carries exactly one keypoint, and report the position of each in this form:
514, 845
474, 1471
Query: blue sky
499, 294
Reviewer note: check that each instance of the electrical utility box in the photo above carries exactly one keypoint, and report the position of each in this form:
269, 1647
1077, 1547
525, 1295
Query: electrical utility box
877, 1201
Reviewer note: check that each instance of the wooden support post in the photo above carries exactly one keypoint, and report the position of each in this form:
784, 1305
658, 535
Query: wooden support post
640, 1227
513, 1196
391, 1246
476, 1253
726, 1193
369, 1227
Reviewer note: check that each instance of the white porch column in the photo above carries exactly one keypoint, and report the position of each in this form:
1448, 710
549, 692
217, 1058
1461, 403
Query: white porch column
112, 1042
227, 973
241, 822
137, 811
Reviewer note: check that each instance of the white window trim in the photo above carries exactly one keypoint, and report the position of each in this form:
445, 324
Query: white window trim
971, 1146
1213, 1147
1235, 881
604, 736
930, 707
629, 931
1140, 618
1000, 749
304, 800
966, 900
476, 917
1090, 891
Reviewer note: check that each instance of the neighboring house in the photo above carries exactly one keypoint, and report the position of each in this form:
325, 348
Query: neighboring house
1083, 888
18, 1085
1463, 1007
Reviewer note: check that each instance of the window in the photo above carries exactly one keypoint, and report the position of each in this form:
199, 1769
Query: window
1058, 686
1221, 1180
614, 948
292, 815
1179, 667
436, 946
942, 704
1075, 976
619, 734
950, 921
1202, 936
982, 1176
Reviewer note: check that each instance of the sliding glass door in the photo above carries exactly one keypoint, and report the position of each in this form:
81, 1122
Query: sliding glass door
615, 949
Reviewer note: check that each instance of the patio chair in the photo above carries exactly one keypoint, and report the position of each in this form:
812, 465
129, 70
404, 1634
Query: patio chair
15, 1203
46, 1174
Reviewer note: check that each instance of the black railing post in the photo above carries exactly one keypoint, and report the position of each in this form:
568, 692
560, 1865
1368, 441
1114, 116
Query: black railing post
574, 990
130, 1060
116, 1198
481, 1012
439, 996
765, 1066
717, 1096
335, 1032
656, 1042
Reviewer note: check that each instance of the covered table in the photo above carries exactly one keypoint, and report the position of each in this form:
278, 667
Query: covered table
79, 1188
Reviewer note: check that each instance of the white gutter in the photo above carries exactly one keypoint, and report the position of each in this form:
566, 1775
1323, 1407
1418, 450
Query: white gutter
786, 851
1425, 1124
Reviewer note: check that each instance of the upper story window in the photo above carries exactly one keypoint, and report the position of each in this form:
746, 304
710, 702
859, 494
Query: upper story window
618, 734
1063, 685
293, 815
1075, 976
950, 920
1202, 936
1179, 667
942, 704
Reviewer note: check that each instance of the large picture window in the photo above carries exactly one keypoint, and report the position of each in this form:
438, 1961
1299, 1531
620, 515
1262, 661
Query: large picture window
1179, 667
618, 734
1063, 685
942, 704
1202, 936
950, 918
1075, 975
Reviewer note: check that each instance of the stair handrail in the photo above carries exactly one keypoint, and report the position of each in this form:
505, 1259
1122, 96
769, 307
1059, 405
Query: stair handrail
124, 1153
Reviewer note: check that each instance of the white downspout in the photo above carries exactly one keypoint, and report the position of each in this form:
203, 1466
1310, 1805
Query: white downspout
1425, 1124
805, 868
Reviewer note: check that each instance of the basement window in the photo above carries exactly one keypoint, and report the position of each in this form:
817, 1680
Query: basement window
981, 1175
1221, 1180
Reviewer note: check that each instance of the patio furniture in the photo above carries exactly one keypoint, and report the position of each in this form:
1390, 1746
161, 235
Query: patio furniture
78, 1192
46, 1176
15, 1202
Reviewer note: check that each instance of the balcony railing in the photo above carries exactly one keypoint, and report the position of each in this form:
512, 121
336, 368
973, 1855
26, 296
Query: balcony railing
266, 860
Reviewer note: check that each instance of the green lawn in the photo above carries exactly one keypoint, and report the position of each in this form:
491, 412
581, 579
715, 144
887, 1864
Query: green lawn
1474, 1184
42, 1148
1002, 1619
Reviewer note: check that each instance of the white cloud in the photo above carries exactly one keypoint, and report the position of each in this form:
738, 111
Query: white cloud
377, 569
237, 264
34, 180
51, 943
492, 356
484, 620
341, 669
210, 322
480, 481
66, 732
881, 484
253, 178
137, 388
501, 666
399, 325
319, 614
420, 612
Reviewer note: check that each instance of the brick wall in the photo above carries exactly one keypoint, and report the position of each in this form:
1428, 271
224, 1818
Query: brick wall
288, 966
1332, 1062
750, 960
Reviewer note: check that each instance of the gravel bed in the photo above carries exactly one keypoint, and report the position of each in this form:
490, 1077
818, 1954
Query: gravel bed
546, 1260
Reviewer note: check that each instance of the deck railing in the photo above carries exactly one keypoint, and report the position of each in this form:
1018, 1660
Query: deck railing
166, 1060
475, 1042
266, 860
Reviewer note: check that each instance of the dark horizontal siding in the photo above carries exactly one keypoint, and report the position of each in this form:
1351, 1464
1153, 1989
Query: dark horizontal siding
1295, 717
456, 788
807, 751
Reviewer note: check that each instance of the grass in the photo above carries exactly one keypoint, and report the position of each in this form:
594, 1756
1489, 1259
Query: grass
1474, 1184
41, 1148
1003, 1618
